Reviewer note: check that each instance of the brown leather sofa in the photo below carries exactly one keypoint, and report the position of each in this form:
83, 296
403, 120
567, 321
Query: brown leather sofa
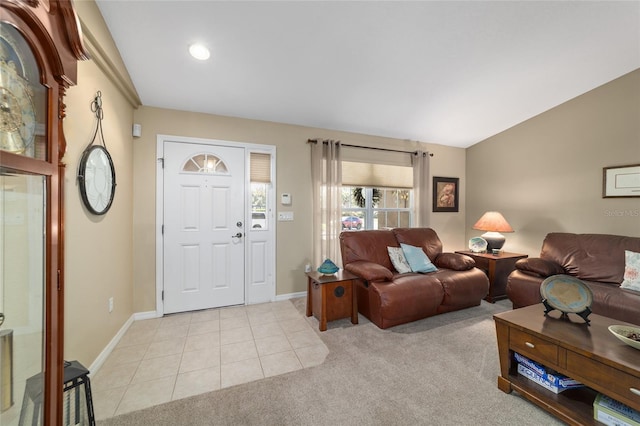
388, 298
596, 259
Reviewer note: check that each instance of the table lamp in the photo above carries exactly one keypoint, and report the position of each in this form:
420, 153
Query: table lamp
494, 223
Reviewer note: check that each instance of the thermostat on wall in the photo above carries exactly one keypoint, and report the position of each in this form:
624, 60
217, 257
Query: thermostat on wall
286, 199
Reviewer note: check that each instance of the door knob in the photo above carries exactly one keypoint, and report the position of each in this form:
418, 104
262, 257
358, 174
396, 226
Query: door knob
238, 235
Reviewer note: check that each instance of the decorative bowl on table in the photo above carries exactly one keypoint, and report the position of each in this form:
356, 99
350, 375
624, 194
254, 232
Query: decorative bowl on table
328, 267
627, 334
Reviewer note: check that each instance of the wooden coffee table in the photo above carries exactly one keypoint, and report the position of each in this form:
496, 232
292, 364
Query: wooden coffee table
590, 354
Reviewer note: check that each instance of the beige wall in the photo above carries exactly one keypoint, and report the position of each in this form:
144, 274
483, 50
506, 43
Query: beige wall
98, 249
548, 179
114, 255
293, 176
99, 254
545, 174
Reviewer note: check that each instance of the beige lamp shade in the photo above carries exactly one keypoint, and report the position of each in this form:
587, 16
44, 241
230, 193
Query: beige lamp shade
494, 222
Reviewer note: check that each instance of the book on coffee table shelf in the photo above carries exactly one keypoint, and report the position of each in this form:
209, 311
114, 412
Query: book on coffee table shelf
613, 413
545, 377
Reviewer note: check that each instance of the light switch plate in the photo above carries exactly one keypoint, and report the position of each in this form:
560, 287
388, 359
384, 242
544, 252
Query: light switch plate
285, 216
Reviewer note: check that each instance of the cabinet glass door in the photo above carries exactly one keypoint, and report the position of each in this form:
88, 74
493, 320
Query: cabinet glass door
22, 297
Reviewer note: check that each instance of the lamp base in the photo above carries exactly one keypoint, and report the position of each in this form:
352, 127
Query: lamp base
495, 240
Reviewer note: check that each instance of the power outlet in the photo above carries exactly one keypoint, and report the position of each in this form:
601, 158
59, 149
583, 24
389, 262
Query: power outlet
111, 304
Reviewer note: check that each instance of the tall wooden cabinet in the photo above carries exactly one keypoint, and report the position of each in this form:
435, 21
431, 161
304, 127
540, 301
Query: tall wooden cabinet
40, 44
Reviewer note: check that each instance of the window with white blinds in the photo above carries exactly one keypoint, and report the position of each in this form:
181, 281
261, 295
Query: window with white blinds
260, 167
376, 175
377, 190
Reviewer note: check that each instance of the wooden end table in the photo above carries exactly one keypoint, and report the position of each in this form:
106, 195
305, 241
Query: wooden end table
587, 353
331, 297
497, 267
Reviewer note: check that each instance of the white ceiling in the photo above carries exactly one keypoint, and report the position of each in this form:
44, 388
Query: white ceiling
452, 73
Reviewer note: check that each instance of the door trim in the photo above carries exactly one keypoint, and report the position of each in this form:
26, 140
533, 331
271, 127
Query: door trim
271, 232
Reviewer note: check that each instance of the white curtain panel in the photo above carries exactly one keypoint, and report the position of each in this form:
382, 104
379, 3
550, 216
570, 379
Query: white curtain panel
421, 188
326, 181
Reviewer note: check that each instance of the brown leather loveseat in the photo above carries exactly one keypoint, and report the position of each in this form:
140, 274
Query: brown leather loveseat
596, 259
388, 298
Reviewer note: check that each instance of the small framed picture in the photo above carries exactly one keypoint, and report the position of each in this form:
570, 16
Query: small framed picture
621, 181
445, 194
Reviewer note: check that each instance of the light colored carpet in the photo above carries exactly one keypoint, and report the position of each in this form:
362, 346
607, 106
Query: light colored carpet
438, 371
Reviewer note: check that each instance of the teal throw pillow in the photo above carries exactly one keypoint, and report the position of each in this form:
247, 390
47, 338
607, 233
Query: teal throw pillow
418, 261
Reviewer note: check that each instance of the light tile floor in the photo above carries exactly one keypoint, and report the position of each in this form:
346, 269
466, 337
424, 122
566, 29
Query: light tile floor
181, 355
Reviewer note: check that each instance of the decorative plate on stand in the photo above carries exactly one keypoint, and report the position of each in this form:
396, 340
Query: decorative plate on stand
567, 294
477, 244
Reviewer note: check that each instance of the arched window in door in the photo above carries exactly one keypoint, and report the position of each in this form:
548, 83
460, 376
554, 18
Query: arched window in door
205, 163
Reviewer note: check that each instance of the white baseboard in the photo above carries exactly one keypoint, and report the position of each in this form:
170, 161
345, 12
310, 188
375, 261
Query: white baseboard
102, 357
287, 296
145, 315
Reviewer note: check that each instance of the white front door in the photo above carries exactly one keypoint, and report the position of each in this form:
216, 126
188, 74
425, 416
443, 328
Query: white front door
203, 226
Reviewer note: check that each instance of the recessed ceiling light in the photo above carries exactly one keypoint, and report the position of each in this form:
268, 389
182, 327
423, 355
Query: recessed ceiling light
199, 51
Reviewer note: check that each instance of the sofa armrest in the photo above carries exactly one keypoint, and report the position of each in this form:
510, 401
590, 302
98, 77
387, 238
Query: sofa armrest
539, 267
455, 261
369, 271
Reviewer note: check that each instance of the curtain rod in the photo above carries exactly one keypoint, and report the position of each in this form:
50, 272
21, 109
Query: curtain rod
373, 148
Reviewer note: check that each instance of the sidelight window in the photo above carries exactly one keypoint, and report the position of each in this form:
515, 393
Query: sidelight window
260, 177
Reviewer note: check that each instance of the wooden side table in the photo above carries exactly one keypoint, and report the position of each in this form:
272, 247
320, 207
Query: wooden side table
331, 297
497, 267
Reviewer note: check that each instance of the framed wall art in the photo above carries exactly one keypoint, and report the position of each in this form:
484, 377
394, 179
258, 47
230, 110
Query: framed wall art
621, 181
445, 194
